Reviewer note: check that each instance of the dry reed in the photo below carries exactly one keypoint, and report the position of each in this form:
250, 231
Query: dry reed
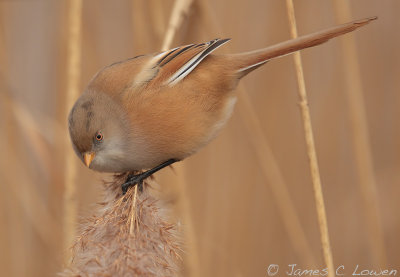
267, 161
22, 190
23, 228
311, 152
21, 197
273, 174
129, 236
73, 91
21, 122
179, 12
361, 141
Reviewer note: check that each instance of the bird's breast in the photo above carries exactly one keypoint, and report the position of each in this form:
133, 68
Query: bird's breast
176, 124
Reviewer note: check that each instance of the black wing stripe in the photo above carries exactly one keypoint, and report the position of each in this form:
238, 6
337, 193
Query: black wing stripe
176, 54
213, 44
163, 58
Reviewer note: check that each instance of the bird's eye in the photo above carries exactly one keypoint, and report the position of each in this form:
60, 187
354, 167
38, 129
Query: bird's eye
99, 136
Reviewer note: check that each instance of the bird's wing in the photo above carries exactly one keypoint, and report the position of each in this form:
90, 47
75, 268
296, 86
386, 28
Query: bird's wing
170, 67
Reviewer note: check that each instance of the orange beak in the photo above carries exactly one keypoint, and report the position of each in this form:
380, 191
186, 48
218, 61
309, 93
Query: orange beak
88, 158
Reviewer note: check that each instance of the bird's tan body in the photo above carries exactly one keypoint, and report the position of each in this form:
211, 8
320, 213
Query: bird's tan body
178, 128
167, 105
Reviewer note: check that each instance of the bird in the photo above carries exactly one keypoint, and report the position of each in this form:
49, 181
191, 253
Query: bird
148, 112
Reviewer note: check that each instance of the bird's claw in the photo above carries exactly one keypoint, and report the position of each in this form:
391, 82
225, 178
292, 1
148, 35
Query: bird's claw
131, 181
138, 178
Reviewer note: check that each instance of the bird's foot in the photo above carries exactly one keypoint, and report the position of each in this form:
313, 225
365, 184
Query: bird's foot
133, 180
138, 178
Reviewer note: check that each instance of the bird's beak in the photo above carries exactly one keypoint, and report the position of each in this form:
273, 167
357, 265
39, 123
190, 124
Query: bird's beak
88, 158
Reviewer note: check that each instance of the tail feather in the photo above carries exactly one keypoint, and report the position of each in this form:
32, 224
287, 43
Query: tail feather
247, 62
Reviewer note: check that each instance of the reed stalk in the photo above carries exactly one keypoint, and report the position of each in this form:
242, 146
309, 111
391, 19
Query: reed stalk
311, 152
73, 91
179, 12
267, 160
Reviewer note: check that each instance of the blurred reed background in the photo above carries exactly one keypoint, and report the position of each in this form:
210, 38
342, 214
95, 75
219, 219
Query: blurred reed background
246, 210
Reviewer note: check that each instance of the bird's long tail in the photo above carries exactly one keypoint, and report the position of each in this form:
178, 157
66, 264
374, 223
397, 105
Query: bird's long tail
247, 62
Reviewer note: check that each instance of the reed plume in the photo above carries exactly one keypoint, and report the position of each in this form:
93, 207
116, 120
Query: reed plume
130, 235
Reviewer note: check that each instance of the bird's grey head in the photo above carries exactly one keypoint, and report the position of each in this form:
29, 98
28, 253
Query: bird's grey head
99, 132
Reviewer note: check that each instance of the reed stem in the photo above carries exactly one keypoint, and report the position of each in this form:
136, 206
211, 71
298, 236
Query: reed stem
311, 152
179, 12
267, 160
73, 87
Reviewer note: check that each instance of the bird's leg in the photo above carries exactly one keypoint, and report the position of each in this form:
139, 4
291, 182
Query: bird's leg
138, 178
